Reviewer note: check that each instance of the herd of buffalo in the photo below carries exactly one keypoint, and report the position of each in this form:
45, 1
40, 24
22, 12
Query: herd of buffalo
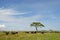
11, 33
25, 32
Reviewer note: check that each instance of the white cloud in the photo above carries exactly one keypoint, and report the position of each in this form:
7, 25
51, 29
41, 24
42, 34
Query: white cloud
2, 26
11, 12
5, 13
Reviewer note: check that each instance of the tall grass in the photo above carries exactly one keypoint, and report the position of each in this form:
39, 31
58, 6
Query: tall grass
29, 36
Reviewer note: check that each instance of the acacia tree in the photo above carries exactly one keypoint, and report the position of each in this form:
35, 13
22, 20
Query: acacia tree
36, 25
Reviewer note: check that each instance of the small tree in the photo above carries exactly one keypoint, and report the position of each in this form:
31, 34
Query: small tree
37, 24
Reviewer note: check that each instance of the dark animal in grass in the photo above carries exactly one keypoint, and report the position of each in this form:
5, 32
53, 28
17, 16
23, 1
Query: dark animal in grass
33, 32
6, 33
42, 32
14, 33
26, 32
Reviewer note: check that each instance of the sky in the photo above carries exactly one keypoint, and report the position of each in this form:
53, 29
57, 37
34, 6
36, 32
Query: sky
17, 15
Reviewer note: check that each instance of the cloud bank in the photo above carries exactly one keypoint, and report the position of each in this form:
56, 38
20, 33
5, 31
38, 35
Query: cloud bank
13, 22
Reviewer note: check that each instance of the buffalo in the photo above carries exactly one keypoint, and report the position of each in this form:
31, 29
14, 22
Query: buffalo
14, 33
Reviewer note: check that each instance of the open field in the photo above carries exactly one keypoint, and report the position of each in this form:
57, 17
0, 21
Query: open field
30, 36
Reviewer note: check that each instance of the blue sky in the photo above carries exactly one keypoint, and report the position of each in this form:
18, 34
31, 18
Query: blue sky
19, 14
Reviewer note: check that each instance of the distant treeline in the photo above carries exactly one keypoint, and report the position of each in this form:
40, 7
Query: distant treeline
50, 31
44, 31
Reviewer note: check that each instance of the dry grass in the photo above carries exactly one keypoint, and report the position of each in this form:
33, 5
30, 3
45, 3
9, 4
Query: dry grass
29, 36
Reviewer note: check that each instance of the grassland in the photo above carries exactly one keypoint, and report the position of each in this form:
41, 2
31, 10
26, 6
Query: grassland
29, 36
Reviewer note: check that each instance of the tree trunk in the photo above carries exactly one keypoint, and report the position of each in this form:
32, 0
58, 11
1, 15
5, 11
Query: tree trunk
36, 29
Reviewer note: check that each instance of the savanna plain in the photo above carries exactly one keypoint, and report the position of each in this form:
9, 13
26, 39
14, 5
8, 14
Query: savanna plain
30, 36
